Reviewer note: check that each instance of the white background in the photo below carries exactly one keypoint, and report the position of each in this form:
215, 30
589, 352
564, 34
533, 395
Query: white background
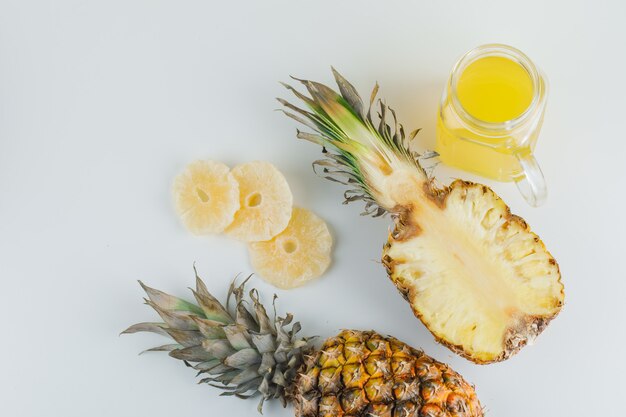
102, 103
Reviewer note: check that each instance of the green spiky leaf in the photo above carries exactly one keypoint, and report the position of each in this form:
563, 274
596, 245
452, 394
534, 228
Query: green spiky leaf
356, 148
244, 353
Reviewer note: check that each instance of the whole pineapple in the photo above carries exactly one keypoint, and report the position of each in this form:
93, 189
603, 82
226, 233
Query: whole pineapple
356, 373
475, 274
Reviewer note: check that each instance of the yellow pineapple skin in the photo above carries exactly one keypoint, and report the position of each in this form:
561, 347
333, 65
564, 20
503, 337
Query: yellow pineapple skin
516, 292
362, 373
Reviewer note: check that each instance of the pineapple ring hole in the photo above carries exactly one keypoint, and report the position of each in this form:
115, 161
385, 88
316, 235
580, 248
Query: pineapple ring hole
290, 246
204, 197
254, 200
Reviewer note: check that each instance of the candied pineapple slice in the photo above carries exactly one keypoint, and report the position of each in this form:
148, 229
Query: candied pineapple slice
297, 255
206, 196
265, 200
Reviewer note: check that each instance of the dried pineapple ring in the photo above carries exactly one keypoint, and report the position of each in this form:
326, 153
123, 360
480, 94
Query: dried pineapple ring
297, 255
265, 201
206, 196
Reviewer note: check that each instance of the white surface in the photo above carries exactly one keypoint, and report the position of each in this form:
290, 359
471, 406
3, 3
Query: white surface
102, 103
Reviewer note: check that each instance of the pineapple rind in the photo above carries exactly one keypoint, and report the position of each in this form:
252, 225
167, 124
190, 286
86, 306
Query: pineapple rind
363, 373
486, 311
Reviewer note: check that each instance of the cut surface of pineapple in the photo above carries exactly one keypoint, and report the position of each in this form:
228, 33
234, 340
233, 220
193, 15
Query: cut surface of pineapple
206, 197
265, 202
299, 254
474, 274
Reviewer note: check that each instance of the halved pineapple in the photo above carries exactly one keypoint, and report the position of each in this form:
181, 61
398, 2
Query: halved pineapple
265, 200
297, 255
206, 196
481, 281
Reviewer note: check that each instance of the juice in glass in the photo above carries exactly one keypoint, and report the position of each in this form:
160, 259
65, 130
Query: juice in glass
490, 116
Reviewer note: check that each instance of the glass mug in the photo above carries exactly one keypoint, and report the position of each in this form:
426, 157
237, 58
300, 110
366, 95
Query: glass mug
500, 150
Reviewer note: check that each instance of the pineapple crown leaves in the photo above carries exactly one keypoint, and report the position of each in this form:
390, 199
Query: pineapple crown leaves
358, 144
237, 348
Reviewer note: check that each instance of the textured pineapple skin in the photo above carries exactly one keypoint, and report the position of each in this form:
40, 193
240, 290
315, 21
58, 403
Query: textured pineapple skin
365, 374
525, 327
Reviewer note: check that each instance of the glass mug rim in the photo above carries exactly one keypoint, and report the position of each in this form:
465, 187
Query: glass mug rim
496, 130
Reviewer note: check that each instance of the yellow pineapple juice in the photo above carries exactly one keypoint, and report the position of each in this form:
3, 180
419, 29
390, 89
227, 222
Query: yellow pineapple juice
491, 112
495, 89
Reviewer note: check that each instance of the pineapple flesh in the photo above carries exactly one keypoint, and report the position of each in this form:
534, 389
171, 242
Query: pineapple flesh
206, 196
299, 254
265, 200
354, 374
476, 275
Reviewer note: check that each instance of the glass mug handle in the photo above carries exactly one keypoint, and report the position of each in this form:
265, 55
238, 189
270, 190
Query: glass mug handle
531, 183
